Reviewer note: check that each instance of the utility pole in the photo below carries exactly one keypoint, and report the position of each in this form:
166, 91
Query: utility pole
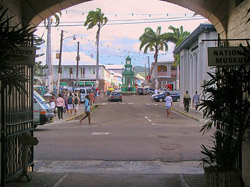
77, 64
148, 70
48, 57
60, 61
145, 69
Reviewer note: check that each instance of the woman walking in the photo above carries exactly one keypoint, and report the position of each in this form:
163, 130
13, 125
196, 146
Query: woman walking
169, 102
60, 105
87, 109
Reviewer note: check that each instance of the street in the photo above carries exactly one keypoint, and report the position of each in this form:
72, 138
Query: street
133, 130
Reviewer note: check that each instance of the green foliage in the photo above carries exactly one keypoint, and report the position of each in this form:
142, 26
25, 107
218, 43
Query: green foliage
226, 106
177, 36
10, 38
38, 67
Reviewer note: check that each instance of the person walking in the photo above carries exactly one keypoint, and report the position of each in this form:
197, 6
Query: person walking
52, 103
70, 103
66, 103
76, 103
91, 97
60, 105
186, 101
87, 110
169, 103
196, 100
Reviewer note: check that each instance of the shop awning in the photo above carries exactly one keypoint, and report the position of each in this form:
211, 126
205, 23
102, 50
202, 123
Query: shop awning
80, 83
63, 83
90, 83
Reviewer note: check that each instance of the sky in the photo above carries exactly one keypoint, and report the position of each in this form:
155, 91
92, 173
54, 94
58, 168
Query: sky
120, 36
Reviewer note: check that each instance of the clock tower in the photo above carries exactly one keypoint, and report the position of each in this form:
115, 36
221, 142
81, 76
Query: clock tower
128, 77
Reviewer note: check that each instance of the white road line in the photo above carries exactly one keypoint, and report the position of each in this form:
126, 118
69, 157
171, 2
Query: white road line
155, 104
149, 120
104, 103
130, 103
60, 180
122, 103
148, 104
100, 133
146, 117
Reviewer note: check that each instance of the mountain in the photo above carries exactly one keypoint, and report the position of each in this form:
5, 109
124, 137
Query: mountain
138, 69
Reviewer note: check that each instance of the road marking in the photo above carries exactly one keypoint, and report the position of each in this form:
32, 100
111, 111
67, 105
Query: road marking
104, 103
146, 117
60, 180
149, 120
100, 133
153, 123
130, 103
122, 103
148, 104
155, 104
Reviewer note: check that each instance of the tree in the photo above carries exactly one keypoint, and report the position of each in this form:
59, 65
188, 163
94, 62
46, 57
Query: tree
48, 23
96, 18
38, 65
177, 36
154, 41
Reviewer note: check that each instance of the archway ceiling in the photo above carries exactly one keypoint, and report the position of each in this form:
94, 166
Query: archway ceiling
35, 11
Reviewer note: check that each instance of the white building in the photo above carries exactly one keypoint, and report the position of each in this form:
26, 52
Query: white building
194, 58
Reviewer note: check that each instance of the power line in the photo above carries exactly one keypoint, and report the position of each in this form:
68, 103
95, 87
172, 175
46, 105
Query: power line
129, 23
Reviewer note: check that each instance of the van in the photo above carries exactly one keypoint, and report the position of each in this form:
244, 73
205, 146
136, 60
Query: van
42, 112
83, 92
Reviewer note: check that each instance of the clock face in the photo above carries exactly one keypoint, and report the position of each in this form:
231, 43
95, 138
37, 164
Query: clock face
128, 62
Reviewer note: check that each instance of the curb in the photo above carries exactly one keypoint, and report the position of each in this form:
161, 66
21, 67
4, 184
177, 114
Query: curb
185, 114
92, 109
188, 115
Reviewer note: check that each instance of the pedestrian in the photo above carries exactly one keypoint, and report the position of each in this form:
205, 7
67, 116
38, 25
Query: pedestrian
196, 100
169, 103
60, 105
76, 103
186, 101
91, 97
70, 103
52, 103
66, 103
87, 109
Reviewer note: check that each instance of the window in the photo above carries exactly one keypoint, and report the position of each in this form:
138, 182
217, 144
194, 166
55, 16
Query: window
70, 71
82, 73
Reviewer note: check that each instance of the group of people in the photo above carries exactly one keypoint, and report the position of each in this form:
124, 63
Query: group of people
65, 103
186, 101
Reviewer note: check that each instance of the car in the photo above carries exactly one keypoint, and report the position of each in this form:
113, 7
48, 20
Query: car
140, 91
42, 112
115, 96
161, 97
83, 92
150, 91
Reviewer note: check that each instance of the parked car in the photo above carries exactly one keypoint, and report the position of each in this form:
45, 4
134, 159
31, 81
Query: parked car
150, 91
42, 112
161, 97
115, 96
83, 92
140, 91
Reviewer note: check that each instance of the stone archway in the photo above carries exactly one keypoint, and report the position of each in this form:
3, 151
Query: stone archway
35, 11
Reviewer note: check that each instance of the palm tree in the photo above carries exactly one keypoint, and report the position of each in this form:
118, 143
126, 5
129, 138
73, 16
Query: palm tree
177, 36
96, 18
48, 23
154, 41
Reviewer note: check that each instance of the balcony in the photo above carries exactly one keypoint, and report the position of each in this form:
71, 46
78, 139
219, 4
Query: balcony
162, 74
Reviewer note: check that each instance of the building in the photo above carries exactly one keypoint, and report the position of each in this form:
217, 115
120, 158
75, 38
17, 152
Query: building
193, 58
128, 77
166, 74
115, 68
86, 71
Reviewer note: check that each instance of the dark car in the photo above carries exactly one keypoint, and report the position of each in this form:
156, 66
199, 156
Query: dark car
140, 91
161, 97
115, 96
150, 91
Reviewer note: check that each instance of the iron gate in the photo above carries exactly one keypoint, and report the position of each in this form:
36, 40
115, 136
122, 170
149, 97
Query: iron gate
16, 118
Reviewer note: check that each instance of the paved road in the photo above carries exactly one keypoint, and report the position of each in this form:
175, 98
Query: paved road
133, 130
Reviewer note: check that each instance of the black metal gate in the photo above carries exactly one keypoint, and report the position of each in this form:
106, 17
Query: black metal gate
16, 118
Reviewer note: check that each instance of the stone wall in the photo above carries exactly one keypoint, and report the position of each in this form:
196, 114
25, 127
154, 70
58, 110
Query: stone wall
15, 9
237, 18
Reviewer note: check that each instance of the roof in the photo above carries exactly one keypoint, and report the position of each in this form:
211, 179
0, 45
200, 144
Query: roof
114, 67
193, 37
69, 58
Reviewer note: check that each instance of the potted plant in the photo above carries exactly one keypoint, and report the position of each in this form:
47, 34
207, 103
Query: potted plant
226, 107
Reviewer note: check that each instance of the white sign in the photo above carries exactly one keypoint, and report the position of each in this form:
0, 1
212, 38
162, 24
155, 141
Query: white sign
226, 56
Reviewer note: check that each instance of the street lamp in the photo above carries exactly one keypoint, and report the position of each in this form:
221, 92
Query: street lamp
60, 59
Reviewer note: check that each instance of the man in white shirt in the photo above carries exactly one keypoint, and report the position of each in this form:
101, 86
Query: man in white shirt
196, 100
169, 102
